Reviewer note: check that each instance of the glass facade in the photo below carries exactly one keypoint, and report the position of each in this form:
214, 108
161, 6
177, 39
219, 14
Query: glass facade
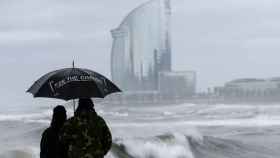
141, 47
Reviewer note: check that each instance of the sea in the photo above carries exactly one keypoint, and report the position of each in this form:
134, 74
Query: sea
159, 131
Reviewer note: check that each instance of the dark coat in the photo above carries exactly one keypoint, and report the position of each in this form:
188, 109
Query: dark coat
50, 144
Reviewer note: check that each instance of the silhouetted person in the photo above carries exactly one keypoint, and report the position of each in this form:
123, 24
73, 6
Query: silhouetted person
50, 146
86, 135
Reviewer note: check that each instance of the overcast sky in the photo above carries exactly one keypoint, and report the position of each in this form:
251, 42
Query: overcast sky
220, 39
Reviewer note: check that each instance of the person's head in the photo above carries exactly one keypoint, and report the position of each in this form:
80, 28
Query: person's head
59, 117
85, 104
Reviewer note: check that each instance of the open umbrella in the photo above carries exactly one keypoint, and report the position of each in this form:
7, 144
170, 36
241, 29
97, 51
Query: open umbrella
73, 83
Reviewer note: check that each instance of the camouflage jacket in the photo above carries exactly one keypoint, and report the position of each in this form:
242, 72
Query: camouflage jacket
86, 136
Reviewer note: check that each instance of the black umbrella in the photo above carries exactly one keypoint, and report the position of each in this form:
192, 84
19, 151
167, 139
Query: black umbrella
73, 83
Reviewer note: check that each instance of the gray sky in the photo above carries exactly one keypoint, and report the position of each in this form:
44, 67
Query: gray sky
220, 39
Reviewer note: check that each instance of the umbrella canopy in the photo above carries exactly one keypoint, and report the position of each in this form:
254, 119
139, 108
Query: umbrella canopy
73, 83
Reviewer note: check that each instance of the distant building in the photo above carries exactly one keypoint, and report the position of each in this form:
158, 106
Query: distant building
141, 56
177, 84
141, 46
250, 87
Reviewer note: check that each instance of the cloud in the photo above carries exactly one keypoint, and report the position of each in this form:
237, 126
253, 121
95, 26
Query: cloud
13, 37
226, 39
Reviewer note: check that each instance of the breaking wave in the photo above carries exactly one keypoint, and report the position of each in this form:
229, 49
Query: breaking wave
182, 146
171, 146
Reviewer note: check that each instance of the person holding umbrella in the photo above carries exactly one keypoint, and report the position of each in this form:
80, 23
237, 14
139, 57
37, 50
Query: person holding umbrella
85, 135
50, 146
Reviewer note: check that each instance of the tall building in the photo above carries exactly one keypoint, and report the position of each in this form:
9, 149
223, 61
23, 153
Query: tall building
141, 47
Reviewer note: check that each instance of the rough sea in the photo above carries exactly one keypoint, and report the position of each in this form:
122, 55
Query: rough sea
154, 131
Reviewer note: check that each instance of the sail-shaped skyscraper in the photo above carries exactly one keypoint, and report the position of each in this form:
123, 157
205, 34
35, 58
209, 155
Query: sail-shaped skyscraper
141, 47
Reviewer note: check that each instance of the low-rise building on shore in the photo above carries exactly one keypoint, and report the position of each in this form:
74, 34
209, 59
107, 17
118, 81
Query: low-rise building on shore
252, 89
